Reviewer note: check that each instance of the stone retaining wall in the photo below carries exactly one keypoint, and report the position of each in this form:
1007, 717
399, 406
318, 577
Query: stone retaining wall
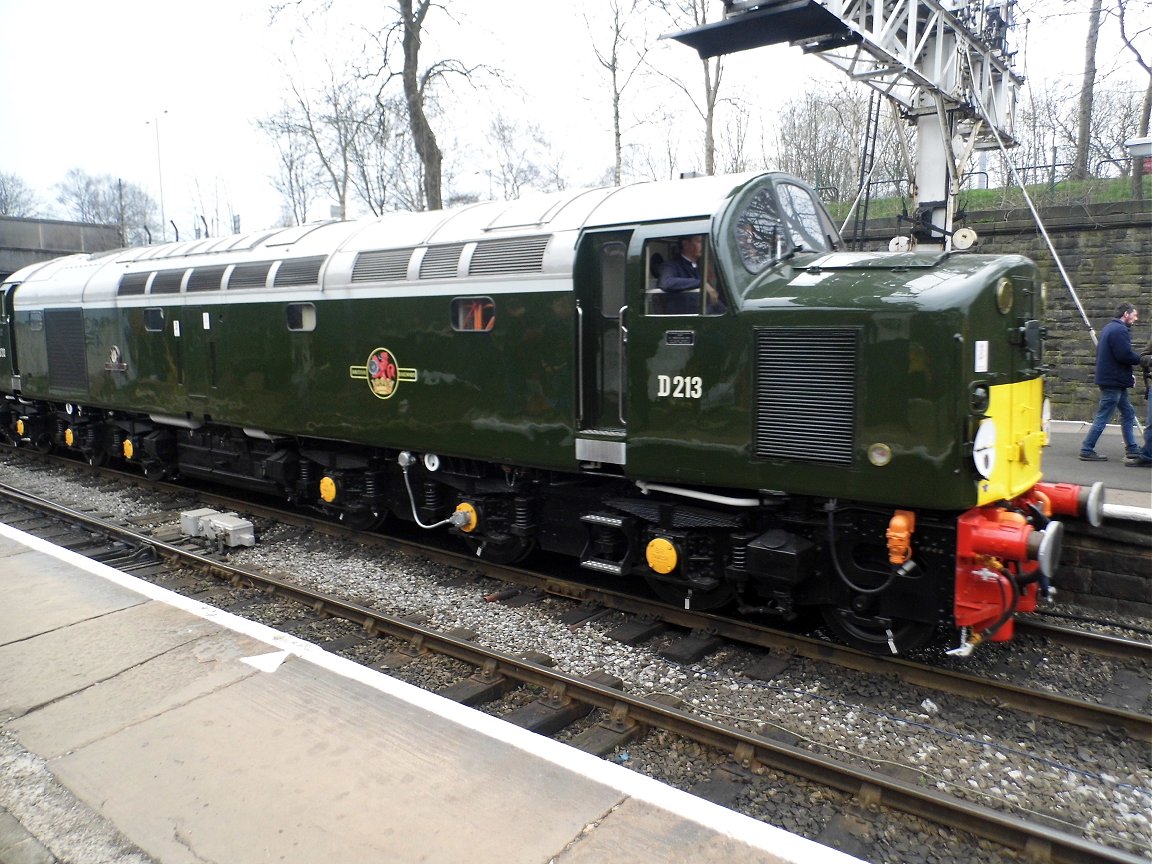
1106, 568
1106, 250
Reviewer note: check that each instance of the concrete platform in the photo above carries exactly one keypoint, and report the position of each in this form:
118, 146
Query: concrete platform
1126, 487
188, 735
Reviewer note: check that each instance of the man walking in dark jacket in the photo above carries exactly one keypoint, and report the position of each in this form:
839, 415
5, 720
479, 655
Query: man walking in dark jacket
1143, 458
1114, 361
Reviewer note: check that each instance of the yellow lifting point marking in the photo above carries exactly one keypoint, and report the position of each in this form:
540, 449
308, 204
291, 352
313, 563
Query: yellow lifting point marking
661, 555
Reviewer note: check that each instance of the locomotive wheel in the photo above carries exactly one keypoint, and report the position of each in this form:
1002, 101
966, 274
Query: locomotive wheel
872, 635
156, 471
684, 597
505, 550
96, 458
362, 520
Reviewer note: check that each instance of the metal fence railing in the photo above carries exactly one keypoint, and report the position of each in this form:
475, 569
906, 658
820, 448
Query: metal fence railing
995, 188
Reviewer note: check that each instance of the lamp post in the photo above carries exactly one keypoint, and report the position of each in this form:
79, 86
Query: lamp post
155, 121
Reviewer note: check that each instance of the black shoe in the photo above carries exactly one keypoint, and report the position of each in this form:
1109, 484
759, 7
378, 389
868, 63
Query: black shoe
1092, 456
1138, 462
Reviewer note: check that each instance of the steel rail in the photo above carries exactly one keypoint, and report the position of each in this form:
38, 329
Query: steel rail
1134, 724
749, 749
1097, 643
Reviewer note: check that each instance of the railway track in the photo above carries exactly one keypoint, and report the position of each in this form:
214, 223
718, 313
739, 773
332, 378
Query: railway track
709, 628
564, 699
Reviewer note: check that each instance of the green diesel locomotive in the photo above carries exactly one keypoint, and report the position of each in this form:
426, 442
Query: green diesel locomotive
802, 428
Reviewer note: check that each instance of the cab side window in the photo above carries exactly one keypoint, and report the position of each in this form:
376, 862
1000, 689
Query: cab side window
681, 277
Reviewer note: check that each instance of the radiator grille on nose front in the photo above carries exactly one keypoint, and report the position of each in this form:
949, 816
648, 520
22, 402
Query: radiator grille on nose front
805, 391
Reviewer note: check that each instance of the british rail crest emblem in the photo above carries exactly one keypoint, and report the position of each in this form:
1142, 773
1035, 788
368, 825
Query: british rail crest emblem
382, 372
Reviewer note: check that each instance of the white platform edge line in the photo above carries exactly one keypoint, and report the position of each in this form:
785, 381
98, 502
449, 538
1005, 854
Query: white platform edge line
783, 844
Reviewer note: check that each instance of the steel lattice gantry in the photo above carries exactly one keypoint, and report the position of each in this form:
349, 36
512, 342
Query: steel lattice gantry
947, 66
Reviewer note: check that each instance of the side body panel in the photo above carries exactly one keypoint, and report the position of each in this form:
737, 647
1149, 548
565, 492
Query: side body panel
400, 372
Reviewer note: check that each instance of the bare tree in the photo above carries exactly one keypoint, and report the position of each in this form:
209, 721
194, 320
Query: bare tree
16, 198
383, 157
398, 42
684, 14
1087, 89
1129, 38
521, 159
406, 30
820, 137
105, 200
297, 178
622, 56
332, 123
1054, 127
733, 143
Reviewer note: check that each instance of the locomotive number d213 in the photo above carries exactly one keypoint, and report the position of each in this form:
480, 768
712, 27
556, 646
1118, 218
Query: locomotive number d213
680, 386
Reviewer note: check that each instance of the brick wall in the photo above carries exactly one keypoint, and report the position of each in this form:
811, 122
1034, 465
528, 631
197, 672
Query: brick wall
1106, 250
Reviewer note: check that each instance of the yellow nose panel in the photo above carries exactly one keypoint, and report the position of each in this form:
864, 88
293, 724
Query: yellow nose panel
1018, 410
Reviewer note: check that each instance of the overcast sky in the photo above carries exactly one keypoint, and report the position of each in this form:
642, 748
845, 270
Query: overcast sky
83, 85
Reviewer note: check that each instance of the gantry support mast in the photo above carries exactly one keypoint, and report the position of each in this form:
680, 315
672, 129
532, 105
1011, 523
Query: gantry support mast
945, 65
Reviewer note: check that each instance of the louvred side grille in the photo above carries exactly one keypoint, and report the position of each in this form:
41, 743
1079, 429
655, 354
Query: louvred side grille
805, 391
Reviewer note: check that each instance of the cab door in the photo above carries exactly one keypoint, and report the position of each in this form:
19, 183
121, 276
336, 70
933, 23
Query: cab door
196, 336
601, 316
687, 362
